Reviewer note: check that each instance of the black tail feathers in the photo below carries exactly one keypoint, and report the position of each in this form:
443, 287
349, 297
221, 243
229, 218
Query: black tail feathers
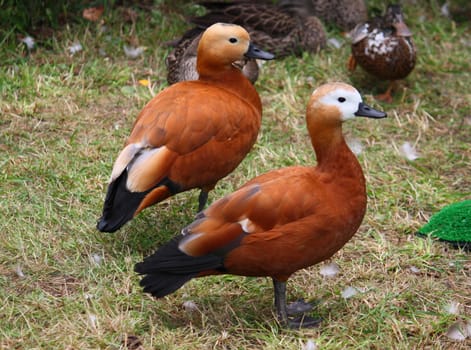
120, 205
169, 268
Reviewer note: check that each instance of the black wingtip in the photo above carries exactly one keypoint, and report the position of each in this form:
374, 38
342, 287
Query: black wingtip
169, 268
105, 226
119, 206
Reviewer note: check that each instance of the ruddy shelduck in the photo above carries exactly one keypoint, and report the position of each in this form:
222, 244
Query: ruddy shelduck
191, 134
181, 61
281, 221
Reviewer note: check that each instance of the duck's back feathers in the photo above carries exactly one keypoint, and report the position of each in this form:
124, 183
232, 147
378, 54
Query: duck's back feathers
269, 26
345, 14
178, 140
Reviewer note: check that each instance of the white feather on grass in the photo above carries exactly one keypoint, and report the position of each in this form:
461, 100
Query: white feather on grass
459, 331
329, 270
96, 258
310, 345
445, 9
76, 47
355, 146
349, 292
190, 306
452, 308
93, 321
409, 152
29, 42
19, 271
335, 43
133, 52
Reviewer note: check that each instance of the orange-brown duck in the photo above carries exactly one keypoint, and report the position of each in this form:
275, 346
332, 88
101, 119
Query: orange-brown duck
191, 134
270, 27
384, 48
181, 61
279, 222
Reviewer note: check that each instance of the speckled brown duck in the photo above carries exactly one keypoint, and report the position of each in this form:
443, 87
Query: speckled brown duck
269, 26
345, 14
181, 61
384, 48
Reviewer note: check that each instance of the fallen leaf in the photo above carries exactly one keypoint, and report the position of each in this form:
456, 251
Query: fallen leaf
93, 13
132, 342
144, 82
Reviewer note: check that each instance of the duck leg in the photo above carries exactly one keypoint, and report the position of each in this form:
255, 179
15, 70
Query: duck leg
283, 310
351, 64
202, 199
387, 95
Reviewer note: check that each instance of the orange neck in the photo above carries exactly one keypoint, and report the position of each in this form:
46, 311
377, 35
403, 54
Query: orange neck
232, 79
332, 153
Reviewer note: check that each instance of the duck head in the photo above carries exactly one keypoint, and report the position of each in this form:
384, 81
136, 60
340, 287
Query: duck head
334, 103
222, 44
329, 106
395, 18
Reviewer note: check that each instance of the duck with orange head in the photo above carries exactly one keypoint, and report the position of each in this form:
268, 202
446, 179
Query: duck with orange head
279, 222
191, 134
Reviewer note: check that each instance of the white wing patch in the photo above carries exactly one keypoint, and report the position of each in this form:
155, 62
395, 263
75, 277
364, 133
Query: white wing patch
377, 44
246, 225
126, 155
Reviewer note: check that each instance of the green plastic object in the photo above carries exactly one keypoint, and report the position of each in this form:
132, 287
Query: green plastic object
451, 224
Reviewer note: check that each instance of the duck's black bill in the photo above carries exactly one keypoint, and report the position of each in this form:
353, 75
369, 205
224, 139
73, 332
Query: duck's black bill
255, 52
366, 111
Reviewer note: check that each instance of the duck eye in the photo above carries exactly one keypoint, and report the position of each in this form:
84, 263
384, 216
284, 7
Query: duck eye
233, 40
341, 99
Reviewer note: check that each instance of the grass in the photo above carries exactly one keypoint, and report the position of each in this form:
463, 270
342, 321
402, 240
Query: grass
64, 117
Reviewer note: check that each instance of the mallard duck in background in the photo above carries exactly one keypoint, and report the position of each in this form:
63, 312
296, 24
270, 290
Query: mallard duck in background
384, 48
345, 14
269, 26
181, 61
